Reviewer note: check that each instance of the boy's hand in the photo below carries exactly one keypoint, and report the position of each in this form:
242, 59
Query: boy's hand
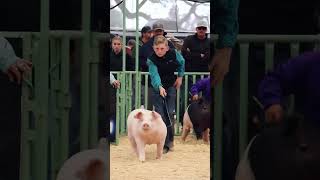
116, 84
163, 92
195, 97
274, 114
18, 69
178, 83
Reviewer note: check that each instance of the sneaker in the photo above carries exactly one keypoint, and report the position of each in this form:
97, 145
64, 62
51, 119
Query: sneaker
165, 150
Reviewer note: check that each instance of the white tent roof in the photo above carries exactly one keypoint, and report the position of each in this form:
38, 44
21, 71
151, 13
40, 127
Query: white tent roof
176, 15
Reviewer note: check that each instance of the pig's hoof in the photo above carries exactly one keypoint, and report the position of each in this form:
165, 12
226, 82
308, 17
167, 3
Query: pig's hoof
142, 160
159, 158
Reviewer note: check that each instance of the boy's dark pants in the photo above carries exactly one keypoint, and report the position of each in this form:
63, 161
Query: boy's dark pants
159, 107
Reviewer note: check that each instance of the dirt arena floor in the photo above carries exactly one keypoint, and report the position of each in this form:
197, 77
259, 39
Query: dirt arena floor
188, 161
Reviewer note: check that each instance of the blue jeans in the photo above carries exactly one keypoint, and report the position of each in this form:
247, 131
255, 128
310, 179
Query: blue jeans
160, 108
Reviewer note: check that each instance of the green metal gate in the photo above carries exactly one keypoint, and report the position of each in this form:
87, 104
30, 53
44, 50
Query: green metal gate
46, 101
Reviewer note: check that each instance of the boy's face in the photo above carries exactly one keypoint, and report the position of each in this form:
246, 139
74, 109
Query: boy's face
160, 49
116, 46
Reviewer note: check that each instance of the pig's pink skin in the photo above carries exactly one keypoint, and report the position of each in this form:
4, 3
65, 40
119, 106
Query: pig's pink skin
154, 132
187, 125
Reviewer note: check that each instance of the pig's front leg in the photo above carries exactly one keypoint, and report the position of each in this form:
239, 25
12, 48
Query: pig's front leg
134, 145
141, 151
160, 150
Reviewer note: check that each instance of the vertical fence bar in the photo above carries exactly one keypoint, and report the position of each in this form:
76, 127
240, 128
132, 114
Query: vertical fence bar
146, 92
217, 134
137, 84
243, 116
118, 109
54, 110
24, 147
94, 76
294, 51
42, 90
177, 112
186, 90
65, 98
84, 92
123, 87
269, 55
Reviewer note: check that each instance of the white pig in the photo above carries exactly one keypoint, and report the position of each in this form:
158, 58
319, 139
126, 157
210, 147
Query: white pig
146, 127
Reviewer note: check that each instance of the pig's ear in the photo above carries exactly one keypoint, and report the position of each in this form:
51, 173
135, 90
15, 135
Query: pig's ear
155, 115
138, 115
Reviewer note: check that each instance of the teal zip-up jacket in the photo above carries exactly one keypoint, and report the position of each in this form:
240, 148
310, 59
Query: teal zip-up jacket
225, 22
7, 54
155, 72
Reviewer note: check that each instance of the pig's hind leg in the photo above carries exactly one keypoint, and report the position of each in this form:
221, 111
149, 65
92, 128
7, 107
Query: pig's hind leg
187, 125
205, 135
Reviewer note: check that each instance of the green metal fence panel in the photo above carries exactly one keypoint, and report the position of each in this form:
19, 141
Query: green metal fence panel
26, 101
94, 76
85, 75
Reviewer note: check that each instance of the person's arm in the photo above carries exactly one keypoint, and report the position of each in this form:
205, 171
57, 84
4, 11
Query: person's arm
154, 75
198, 86
185, 51
112, 79
180, 70
225, 18
288, 78
7, 55
225, 13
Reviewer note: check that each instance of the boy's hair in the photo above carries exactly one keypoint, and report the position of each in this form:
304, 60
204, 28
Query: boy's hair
117, 37
160, 40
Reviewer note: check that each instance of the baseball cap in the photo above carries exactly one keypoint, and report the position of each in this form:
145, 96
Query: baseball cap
202, 24
146, 29
157, 25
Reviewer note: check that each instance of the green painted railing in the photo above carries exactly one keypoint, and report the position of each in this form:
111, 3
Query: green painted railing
46, 100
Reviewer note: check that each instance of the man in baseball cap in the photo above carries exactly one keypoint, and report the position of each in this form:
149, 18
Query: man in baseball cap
158, 29
146, 35
196, 49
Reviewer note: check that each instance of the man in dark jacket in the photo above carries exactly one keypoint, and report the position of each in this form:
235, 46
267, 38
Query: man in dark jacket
196, 49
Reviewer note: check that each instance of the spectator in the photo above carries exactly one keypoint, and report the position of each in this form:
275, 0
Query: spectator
196, 49
116, 56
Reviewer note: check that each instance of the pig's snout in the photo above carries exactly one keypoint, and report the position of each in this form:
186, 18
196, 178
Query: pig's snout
146, 126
